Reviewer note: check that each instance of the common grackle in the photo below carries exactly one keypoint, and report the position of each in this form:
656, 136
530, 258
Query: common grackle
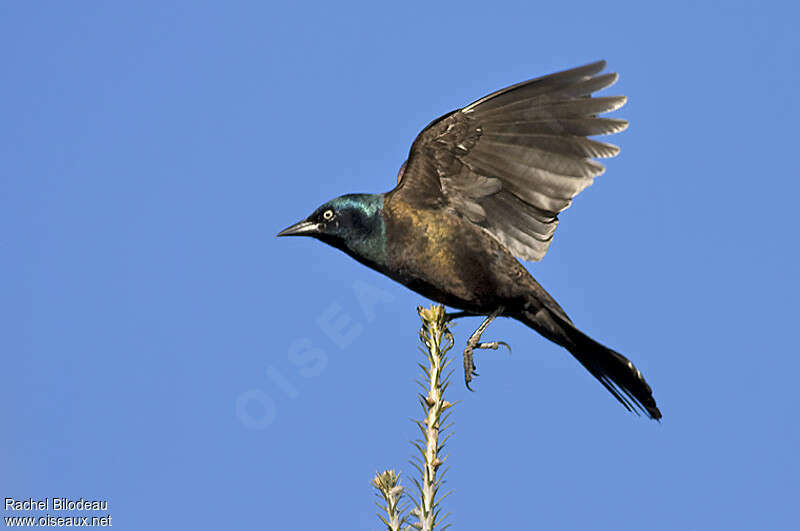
482, 185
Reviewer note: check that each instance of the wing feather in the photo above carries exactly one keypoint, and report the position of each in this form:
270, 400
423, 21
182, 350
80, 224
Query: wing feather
537, 87
573, 146
525, 111
535, 158
566, 126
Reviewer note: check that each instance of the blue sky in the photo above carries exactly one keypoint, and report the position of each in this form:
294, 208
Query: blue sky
162, 350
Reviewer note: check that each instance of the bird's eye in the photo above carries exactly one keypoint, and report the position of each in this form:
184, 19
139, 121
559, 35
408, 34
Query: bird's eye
327, 215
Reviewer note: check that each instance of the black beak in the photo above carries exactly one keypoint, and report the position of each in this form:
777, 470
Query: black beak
301, 228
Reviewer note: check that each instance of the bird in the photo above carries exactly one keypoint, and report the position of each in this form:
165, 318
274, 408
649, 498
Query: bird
482, 186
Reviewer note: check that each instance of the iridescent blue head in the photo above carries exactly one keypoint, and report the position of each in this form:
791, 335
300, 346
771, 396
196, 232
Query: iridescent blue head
352, 223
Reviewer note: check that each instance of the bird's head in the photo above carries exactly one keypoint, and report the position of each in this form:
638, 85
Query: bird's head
352, 223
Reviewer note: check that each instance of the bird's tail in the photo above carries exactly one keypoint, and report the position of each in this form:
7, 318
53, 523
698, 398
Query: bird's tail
612, 369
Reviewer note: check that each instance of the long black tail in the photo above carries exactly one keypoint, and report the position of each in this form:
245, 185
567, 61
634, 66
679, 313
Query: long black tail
615, 371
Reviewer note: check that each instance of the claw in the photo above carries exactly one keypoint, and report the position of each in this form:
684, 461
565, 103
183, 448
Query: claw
470, 370
494, 345
469, 366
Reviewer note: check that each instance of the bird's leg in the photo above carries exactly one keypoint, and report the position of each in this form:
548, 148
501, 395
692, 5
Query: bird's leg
474, 342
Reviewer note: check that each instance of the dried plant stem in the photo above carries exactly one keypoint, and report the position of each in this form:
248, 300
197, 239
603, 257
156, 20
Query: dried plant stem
388, 485
437, 340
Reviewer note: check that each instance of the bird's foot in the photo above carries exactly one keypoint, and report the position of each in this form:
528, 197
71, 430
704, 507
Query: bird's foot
470, 369
474, 342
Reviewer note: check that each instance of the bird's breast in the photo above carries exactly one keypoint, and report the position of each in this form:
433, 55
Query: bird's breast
441, 256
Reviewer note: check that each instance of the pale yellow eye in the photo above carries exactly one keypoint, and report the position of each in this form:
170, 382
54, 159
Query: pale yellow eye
327, 215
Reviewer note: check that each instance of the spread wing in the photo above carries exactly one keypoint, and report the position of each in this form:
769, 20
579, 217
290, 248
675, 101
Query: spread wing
511, 161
